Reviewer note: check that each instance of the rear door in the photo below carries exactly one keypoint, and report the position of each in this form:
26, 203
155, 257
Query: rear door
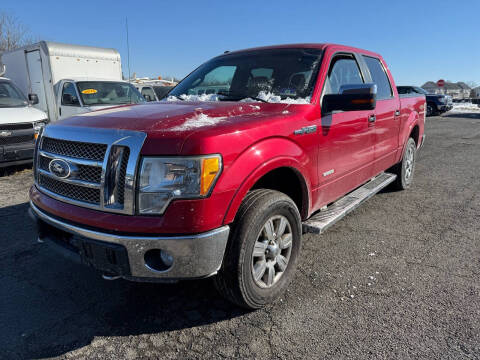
35, 74
387, 116
346, 151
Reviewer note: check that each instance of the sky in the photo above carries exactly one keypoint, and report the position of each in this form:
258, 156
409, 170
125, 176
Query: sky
420, 40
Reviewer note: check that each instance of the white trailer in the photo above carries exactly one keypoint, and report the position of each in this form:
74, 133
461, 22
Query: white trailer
54, 71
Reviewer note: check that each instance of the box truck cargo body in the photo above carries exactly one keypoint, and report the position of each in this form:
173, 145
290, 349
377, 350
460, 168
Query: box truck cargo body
51, 70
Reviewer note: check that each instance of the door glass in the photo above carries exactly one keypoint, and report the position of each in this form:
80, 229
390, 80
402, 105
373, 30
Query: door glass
69, 95
344, 70
379, 77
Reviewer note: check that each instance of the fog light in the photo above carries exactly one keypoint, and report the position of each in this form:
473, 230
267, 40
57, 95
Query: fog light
167, 259
158, 260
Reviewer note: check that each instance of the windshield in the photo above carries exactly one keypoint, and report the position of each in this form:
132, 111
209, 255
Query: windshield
273, 75
108, 93
11, 96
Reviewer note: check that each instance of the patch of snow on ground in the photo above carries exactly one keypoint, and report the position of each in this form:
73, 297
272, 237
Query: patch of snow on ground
465, 108
198, 121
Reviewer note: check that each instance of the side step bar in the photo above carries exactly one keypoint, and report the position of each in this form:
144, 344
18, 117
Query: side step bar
321, 221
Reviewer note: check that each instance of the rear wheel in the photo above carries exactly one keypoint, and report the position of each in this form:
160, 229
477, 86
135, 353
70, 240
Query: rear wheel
405, 169
261, 256
431, 110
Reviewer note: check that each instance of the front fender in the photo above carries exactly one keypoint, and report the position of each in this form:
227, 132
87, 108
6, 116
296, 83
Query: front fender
260, 159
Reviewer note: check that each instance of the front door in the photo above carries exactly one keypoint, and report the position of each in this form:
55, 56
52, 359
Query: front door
346, 149
387, 113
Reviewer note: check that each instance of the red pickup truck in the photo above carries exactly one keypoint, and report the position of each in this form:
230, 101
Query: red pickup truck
250, 151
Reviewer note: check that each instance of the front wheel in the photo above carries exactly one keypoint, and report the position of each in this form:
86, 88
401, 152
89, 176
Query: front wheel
405, 169
261, 256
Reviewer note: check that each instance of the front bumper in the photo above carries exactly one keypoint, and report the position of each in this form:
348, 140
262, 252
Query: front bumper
16, 154
194, 256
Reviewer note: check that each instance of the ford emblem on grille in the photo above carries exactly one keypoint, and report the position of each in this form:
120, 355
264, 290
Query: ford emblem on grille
59, 168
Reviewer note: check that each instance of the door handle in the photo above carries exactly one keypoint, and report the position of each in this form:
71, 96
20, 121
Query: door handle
372, 118
397, 112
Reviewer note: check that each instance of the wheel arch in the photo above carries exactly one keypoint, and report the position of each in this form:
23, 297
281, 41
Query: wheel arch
281, 174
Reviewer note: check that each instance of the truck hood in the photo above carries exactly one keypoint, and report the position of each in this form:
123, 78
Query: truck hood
17, 115
169, 124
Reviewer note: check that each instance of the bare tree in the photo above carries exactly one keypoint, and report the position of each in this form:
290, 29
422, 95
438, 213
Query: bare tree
13, 34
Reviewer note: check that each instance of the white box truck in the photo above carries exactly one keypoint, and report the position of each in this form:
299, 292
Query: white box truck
69, 79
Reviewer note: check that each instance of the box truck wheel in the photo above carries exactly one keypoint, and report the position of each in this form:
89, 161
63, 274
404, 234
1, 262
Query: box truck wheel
262, 251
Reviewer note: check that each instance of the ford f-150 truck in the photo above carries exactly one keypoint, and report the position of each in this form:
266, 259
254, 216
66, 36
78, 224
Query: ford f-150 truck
225, 184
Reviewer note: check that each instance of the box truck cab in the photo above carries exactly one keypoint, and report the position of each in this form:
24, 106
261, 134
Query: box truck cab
20, 123
70, 79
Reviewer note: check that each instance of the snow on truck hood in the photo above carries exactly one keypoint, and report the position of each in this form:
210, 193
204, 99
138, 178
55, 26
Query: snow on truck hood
170, 125
17, 115
175, 117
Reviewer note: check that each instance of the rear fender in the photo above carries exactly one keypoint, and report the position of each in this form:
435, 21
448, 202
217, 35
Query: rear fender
412, 121
260, 159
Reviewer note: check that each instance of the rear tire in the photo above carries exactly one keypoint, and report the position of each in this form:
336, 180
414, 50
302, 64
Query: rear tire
431, 109
261, 255
405, 168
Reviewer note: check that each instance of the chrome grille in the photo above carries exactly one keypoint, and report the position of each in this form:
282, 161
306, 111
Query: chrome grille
80, 150
16, 139
97, 166
90, 173
71, 191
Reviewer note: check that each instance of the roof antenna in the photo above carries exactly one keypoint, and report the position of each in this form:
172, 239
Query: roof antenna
128, 48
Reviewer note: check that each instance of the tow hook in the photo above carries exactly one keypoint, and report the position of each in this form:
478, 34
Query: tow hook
107, 276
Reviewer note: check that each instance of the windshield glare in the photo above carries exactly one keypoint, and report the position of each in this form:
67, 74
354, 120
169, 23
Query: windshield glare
10, 96
273, 75
108, 93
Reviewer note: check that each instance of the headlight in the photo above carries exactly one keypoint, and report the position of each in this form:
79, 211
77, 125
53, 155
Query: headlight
442, 99
164, 179
38, 126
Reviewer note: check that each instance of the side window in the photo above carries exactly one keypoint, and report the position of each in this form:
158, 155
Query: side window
343, 70
379, 77
148, 91
69, 95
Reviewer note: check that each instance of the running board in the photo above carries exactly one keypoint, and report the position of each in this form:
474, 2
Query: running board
321, 221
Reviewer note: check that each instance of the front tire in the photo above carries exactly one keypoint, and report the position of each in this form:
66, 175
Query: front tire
261, 256
405, 169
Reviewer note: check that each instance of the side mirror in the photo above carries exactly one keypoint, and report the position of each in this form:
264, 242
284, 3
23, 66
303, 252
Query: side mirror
67, 99
352, 97
33, 98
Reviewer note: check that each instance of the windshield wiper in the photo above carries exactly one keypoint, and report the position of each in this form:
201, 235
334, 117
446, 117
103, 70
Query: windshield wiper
238, 97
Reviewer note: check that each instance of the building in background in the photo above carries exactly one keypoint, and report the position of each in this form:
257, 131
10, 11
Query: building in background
457, 91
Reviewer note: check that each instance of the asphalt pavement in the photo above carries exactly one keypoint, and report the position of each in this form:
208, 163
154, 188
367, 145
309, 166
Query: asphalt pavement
399, 278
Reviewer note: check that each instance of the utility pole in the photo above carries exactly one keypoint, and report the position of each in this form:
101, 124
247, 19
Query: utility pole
128, 49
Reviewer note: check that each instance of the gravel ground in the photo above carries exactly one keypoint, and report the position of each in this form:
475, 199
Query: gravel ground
398, 278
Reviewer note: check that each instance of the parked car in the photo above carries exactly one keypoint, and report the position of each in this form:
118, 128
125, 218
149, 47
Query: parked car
70, 79
20, 123
436, 103
187, 189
